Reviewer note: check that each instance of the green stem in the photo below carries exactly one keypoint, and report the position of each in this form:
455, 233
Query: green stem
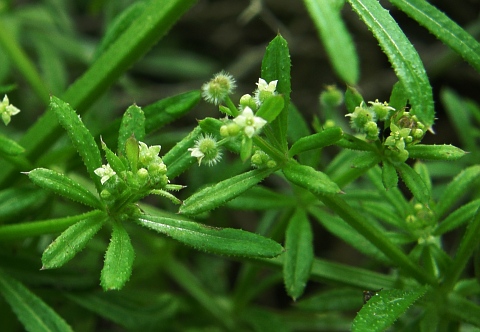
36, 228
469, 242
266, 147
231, 106
188, 281
351, 216
23, 64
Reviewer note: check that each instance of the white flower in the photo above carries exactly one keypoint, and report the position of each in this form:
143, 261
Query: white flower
264, 86
105, 172
264, 91
250, 123
7, 110
147, 153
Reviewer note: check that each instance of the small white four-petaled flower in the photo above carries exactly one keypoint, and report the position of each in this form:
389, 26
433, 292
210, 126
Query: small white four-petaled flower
105, 172
250, 123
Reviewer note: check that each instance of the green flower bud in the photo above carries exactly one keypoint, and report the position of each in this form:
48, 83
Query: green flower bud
331, 97
248, 101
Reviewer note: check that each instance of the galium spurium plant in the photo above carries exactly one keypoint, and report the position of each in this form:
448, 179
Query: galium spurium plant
343, 175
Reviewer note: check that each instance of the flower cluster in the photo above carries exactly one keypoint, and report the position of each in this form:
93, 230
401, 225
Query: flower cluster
129, 179
245, 124
405, 130
7, 110
364, 118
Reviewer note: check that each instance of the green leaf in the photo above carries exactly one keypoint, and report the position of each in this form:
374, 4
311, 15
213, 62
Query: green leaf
414, 182
213, 196
435, 152
72, 241
439, 24
62, 185
460, 116
34, 314
336, 39
467, 246
348, 234
225, 241
353, 99
342, 299
126, 310
81, 138
133, 124
132, 151
298, 254
179, 159
402, 55
9, 147
168, 109
353, 143
398, 98
118, 260
24, 230
316, 141
309, 178
458, 217
366, 160
271, 108
389, 175
16, 201
276, 66
115, 161
261, 198
463, 182
383, 309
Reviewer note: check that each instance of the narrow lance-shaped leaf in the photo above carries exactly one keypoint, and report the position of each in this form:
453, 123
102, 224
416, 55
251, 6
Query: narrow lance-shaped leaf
435, 152
81, 138
34, 314
439, 24
458, 217
298, 257
463, 182
309, 178
316, 141
133, 123
353, 98
118, 259
384, 308
225, 241
366, 160
414, 182
276, 66
72, 241
389, 175
398, 98
333, 33
271, 108
213, 196
9, 147
62, 185
115, 161
402, 55
168, 109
